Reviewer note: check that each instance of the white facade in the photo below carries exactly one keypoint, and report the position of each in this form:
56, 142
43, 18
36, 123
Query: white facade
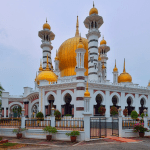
46, 95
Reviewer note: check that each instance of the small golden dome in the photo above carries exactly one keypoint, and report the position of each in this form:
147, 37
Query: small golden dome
87, 93
99, 58
115, 68
103, 66
149, 83
93, 10
80, 45
47, 75
103, 42
124, 77
56, 58
46, 25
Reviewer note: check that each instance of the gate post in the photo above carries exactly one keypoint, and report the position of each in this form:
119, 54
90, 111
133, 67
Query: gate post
87, 126
120, 122
23, 119
52, 118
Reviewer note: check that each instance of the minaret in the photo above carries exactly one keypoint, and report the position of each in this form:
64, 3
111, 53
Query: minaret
103, 73
115, 74
103, 49
47, 36
80, 70
99, 69
93, 23
56, 64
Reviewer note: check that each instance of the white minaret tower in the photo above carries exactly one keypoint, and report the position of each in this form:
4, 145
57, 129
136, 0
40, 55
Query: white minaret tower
80, 70
103, 49
99, 69
47, 36
115, 74
93, 23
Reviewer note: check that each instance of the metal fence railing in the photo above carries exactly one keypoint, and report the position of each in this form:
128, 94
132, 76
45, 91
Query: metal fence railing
10, 123
70, 124
37, 124
128, 123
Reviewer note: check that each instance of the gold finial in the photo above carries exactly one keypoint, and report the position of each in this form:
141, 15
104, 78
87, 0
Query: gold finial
80, 45
77, 28
149, 83
115, 68
47, 67
36, 76
124, 70
56, 58
46, 19
40, 69
93, 4
87, 93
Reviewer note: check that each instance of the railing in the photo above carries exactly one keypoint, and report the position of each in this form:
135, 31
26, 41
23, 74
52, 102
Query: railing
128, 123
70, 124
10, 123
37, 124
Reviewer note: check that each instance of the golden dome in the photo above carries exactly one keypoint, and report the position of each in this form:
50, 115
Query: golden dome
46, 25
93, 10
87, 93
47, 74
56, 58
99, 58
103, 42
124, 77
80, 45
67, 55
115, 68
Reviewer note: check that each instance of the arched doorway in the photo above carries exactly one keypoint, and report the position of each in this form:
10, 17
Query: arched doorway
15, 111
67, 109
35, 109
141, 109
129, 107
115, 102
99, 100
48, 107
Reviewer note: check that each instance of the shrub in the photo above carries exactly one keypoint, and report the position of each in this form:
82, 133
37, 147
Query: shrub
134, 114
125, 112
57, 115
142, 115
50, 129
68, 115
19, 130
102, 110
113, 110
39, 115
73, 133
139, 127
1, 138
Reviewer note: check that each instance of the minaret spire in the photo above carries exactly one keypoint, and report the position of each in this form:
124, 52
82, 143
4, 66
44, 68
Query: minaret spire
77, 28
124, 70
93, 4
115, 63
47, 67
46, 19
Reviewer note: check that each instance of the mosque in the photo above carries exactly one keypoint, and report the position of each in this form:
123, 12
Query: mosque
78, 61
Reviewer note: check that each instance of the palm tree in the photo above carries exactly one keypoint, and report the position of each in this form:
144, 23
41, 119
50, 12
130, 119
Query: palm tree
1, 89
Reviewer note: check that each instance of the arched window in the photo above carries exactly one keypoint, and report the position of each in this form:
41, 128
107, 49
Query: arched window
129, 107
95, 24
141, 109
92, 24
114, 100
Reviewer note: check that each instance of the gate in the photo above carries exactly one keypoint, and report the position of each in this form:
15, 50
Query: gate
98, 127
115, 126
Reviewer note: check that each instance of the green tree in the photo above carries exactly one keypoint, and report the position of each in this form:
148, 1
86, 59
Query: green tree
1, 90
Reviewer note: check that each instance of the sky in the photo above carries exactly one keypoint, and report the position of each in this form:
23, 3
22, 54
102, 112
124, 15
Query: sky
126, 30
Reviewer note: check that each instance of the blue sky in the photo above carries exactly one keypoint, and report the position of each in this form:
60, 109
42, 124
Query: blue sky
126, 30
